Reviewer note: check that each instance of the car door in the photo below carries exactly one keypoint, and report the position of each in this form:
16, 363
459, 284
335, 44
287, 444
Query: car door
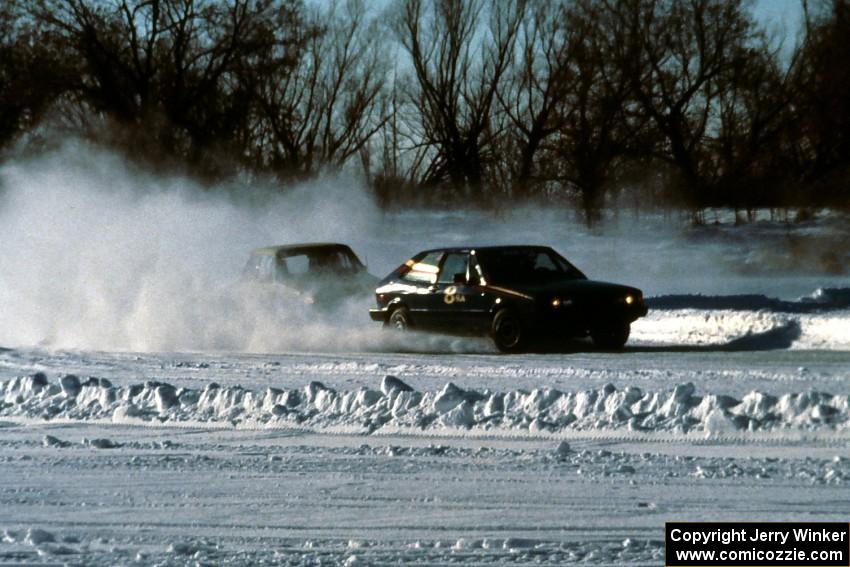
461, 300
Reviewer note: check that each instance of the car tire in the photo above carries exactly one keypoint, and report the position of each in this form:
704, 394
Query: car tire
612, 337
399, 320
507, 331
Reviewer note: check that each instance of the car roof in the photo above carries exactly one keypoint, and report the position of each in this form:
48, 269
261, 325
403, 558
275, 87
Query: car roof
469, 248
304, 247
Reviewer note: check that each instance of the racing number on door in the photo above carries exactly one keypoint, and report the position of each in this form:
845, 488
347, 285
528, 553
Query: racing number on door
450, 295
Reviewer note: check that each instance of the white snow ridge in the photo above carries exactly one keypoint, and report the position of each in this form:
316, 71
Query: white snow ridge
398, 407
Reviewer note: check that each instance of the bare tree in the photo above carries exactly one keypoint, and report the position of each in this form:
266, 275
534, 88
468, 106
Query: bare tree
458, 67
537, 84
683, 49
327, 110
168, 73
33, 72
745, 142
498, 99
599, 124
817, 138
569, 101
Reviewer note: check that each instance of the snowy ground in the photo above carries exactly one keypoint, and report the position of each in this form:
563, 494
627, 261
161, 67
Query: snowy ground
429, 450
303, 459
202, 496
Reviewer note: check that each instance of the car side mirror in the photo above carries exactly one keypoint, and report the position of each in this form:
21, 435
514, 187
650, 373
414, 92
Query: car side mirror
459, 278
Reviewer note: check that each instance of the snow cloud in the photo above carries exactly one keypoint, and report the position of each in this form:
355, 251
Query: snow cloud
99, 255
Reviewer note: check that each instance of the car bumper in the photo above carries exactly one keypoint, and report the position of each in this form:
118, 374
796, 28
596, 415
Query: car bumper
572, 319
378, 315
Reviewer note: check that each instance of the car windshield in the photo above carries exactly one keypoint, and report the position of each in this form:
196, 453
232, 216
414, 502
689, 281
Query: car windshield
525, 265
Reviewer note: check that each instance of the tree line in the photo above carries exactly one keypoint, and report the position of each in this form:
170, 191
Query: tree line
475, 103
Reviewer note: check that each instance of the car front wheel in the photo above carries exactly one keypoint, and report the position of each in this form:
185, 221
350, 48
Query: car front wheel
613, 337
399, 320
507, 331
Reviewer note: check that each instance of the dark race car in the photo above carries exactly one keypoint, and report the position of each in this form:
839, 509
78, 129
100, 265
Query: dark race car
512, 293
323, 274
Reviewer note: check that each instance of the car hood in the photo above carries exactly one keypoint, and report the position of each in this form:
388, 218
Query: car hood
570, 287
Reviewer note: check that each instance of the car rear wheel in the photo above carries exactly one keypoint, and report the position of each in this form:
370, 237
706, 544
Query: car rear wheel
507, 331
399, 320
612, 337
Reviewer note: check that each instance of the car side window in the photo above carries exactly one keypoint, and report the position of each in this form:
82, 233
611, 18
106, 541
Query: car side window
544, 262
455, 263
339, 261
425, 270
344, 262
298, 264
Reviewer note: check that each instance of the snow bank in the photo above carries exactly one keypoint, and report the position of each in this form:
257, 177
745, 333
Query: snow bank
823, 299
820, 320
397, 406
742, 330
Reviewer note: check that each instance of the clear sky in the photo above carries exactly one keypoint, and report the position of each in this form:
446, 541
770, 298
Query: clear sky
784, 13
782, 17
783, 20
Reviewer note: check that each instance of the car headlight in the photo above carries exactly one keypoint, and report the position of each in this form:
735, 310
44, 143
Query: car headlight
629, 299
556, 302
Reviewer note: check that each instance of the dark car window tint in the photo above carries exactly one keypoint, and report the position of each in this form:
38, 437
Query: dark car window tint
336, 261
351, 260
343, 261
524, 265
425, 270
323, 261
454, 263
